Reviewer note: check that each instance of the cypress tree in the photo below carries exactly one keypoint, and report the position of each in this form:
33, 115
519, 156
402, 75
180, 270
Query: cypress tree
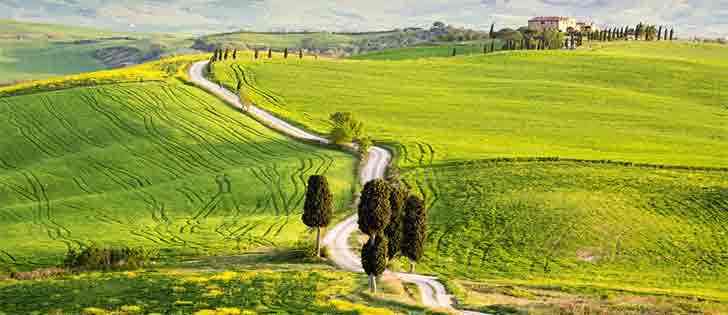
256, 53
393, 231
285, 53
492, 45
270, 53
672, 34
227, 53
318, 207
374, 259
374, 208
300, 54
454, 51
492, 31
235, 54
659, 34
415, 228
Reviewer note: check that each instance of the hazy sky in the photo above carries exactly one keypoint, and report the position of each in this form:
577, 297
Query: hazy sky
693, 17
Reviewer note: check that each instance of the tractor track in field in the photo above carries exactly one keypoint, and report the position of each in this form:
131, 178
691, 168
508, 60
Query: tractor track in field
433, 292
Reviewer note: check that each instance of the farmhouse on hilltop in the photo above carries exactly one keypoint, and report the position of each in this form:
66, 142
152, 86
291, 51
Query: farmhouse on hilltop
560, 23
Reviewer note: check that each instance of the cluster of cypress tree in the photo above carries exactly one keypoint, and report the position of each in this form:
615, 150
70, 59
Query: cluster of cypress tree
640, 32
396, 223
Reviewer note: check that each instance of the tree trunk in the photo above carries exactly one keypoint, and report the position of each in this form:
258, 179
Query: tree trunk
412, 266
318, 242
373, 284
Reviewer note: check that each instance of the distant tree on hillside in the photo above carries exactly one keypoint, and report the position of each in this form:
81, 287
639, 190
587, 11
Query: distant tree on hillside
415, 229
553, 39
318, 207
235, 54
659, 34
270, 53
300, 54
672, 33
491, 34
454, 51
256, 53
227, 53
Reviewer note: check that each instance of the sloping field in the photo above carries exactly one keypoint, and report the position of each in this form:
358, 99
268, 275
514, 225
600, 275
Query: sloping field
279, 41
157, 164
582, 104
579, 222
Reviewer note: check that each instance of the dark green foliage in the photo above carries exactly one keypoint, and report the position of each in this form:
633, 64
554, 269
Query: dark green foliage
285, 53
454, 51
659, 34
227, 53
492, 31
270, 53
235, 54
318, 207
300, 54
374, 256
415, 228
97, 258
672, 34
374, 207
256, 53
394, 230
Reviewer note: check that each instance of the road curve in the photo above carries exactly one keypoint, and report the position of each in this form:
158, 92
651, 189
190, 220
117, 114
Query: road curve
336, 240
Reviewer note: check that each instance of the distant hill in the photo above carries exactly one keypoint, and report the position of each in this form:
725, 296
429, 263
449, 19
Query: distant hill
35, 51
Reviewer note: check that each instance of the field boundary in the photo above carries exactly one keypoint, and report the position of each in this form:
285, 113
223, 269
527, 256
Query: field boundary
573, 160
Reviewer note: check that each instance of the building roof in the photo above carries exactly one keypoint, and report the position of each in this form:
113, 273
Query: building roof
549, 19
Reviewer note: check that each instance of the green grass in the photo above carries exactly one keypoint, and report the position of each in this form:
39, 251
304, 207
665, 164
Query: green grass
571, 225
578, 104
578, 224
420, 52
140, 164
264, 291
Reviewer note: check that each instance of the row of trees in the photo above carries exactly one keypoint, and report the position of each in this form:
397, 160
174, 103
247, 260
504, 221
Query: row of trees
225, 54
639, 32
394, 220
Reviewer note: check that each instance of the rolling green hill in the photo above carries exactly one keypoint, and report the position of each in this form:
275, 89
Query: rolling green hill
472, 133
428, 51
31, 51
156, 164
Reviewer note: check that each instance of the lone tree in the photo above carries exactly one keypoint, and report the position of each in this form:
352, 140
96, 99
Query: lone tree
318, 208
394, 230
270, 53
415, 227
256, 53
492, 31
285, 53
374, 260
300, 54
374, 214
672, 34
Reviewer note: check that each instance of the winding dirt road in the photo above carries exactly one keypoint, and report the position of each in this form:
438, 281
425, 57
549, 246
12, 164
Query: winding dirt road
433, 293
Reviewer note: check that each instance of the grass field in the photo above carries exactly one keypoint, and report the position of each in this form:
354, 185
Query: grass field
420, 52
582, 104
582, 226
317, 290
156, 164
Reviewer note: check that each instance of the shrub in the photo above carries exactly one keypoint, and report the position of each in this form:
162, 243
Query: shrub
345, 128
97, 258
